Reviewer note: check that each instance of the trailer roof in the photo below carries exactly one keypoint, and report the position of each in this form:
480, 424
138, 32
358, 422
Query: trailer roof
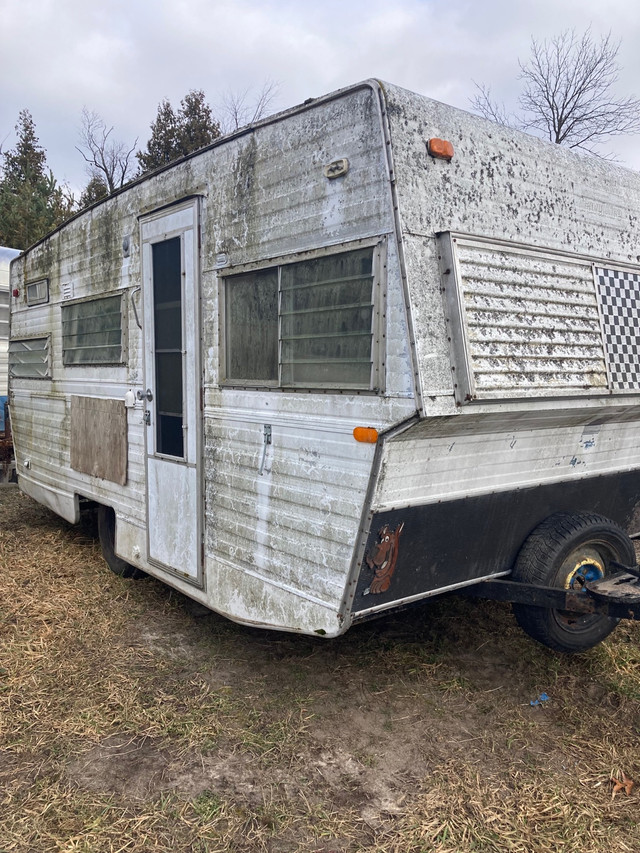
390, 94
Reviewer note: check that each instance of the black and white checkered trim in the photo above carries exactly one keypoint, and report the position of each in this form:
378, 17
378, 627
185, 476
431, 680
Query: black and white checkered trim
619, 294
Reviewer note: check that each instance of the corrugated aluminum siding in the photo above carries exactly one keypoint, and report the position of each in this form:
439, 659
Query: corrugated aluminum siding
437, 462
295, 524
504, 185
280, 543
530, 321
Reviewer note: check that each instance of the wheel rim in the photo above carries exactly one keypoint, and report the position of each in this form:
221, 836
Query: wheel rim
589, 568
585, 564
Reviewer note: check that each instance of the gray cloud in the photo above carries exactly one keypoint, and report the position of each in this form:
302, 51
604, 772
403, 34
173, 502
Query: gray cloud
121, 58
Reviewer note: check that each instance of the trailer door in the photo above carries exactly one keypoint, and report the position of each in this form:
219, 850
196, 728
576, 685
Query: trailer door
172, 390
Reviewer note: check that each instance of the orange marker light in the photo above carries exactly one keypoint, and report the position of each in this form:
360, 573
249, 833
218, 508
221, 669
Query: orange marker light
440, 148
368, 435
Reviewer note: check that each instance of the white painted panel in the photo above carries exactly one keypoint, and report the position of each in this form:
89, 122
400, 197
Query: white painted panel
296, 524
502, 185
173, 513
500, 453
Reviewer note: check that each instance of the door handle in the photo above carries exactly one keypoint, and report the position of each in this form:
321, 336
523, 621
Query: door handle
267, 440
145, 395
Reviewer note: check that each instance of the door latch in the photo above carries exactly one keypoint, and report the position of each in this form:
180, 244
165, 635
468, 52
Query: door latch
267, 440
147, 418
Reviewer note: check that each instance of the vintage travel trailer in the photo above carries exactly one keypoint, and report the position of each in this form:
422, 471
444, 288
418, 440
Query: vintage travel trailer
366, 351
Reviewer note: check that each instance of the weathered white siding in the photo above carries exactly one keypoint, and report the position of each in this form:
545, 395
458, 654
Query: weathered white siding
278, 545
447, 458
295, 526
280, 539
506, 185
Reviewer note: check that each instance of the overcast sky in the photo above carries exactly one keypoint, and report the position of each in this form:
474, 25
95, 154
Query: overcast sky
121, 57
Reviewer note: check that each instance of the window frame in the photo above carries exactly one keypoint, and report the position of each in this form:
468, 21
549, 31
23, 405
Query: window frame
41, 300
14, 377
378, 303
123, 330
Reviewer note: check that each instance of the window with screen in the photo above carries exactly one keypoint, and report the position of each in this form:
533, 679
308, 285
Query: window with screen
92, 331
306, 324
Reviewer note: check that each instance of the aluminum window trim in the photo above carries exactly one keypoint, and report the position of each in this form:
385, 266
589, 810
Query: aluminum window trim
378, 316
123, 330
39, 301
46, 349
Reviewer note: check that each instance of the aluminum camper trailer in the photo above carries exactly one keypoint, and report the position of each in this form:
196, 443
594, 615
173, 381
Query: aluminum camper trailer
369, 350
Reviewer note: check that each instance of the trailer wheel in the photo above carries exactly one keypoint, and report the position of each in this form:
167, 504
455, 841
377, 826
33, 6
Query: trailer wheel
568, 550
107, 534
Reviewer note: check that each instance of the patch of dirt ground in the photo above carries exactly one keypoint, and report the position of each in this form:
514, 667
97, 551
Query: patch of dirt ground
132, 719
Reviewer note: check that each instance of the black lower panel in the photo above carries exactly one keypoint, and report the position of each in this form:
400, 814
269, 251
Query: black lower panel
419, 549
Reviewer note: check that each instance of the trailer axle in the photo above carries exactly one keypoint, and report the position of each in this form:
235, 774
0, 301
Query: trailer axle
616, 596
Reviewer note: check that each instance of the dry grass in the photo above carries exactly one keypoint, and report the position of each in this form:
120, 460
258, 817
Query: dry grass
130, 721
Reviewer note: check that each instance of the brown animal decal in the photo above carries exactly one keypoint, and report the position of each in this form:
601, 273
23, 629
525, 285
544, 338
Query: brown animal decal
382, 558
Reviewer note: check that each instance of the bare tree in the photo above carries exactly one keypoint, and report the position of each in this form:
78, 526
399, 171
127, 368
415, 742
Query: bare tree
568, 93
484, 105
568, 85
238, 109
108, 161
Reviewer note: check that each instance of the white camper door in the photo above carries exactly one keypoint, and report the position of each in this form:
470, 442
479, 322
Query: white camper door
172, 390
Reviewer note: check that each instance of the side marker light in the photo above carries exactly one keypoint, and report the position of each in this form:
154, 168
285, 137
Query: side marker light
367, 435
440, 148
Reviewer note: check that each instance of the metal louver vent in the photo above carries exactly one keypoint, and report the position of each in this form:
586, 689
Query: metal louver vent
30, 358
528, 322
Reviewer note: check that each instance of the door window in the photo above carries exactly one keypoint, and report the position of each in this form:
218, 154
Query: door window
167, 323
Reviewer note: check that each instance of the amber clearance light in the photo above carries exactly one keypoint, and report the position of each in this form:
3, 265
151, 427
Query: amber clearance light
368, 435
440, 148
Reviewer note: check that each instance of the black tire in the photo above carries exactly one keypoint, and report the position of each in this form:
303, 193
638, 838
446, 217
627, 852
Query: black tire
107, 534
567, 550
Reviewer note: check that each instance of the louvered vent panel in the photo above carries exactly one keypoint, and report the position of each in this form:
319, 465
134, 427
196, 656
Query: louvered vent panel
30, 358
532, 322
